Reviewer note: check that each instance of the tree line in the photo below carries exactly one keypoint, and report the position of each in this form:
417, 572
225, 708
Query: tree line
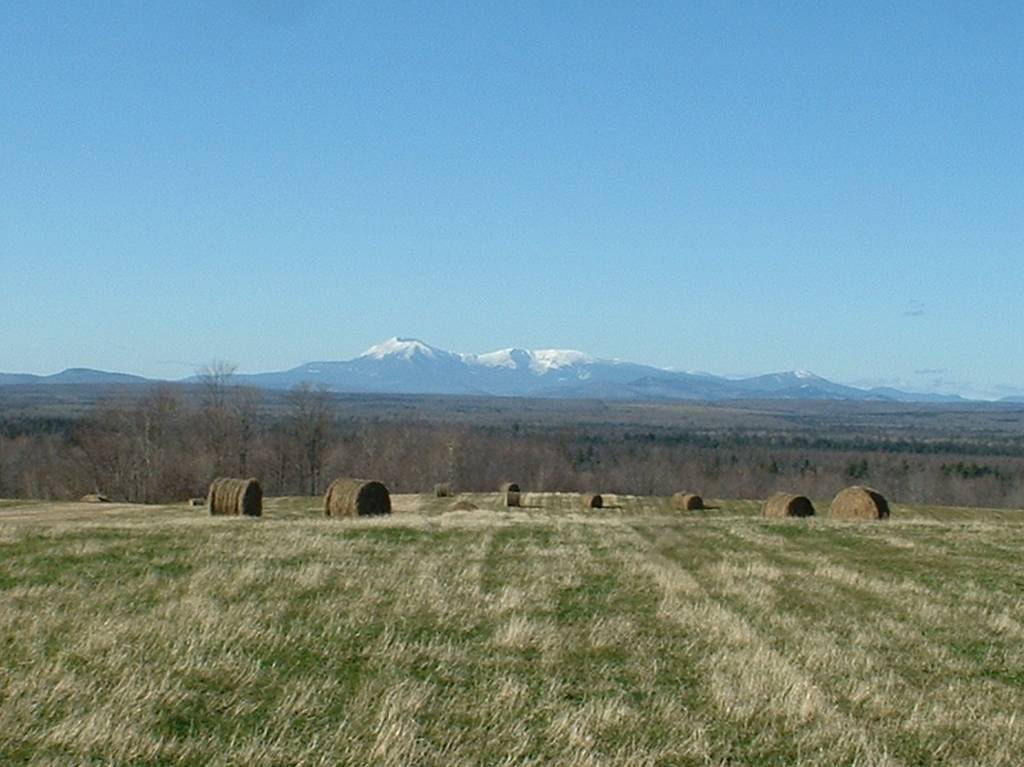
168, 444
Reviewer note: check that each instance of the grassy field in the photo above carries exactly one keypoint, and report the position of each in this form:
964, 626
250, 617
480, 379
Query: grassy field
630, 636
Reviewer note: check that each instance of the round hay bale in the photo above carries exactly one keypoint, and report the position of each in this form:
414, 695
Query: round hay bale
213, 497
196, 501
511, 493
250, 499
687, 502
859, 502
442, 490
94, 498
464, 505
356, 498
787, 505
222, 498
235, 497
592, 501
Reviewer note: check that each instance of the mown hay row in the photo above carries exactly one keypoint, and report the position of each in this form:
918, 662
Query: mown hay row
229, 496
859, 502
356, 498
783, 505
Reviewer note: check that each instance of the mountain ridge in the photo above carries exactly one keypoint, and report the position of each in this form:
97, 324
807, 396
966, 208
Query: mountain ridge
405, 365
72, 376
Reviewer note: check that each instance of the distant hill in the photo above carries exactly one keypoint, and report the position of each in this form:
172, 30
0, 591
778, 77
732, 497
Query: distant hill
896, 395
18, 379
71, 376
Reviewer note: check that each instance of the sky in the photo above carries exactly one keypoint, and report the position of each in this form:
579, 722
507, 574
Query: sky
731, 187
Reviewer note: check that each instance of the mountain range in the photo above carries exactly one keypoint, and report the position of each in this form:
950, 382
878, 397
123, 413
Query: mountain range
410, 366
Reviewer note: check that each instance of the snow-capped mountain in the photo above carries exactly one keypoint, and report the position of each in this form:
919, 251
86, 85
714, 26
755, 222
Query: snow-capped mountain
406, 349
411, 366
540, 361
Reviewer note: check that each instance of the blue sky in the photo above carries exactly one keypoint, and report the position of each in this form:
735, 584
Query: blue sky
733, 187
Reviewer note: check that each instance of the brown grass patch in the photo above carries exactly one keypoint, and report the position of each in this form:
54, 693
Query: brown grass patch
94, 498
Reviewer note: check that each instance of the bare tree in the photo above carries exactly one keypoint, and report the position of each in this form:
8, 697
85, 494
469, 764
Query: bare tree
215, 378
136, 449
244, 407
310, 413
217, 420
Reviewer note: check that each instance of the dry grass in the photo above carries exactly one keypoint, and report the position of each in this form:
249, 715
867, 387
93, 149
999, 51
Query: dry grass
543, 635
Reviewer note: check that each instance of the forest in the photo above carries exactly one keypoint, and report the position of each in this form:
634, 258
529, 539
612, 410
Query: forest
166, 443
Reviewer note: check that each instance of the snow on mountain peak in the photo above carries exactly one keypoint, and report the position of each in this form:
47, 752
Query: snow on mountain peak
540, 361
552, 359
503, 358
405, 348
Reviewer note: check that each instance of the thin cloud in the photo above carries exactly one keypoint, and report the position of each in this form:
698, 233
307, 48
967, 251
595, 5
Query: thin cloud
914, 309
178, 364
